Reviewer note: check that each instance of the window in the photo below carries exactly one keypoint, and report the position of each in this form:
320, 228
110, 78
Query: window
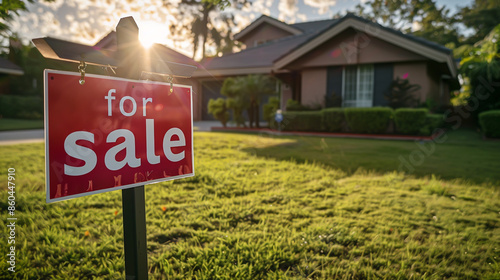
358, 86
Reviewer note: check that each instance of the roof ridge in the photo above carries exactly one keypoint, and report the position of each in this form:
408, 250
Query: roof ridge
313, 21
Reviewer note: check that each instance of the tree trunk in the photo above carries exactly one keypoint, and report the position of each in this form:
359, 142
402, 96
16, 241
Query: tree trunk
250, 115
206, 12
257, 122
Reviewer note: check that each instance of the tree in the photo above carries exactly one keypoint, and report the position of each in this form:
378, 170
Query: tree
9, 8
202, 26
247, 93
217, 107
419, 17
481, 66
237, 100
401, 94
482, 16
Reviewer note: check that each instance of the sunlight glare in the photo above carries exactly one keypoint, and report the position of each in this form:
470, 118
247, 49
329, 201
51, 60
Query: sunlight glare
150, 33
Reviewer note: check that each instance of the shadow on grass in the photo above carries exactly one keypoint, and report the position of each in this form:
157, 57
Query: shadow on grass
461, 154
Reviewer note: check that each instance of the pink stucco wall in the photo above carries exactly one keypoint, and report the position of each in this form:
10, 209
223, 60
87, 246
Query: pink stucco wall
266, 32
286, 94
314, 86
417, 73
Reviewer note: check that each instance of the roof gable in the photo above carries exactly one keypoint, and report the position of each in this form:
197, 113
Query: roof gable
353, 47
8, 67
263, 20
417, 45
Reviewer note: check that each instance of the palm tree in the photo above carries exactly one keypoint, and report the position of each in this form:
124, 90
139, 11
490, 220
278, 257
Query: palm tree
202, 25
248, 91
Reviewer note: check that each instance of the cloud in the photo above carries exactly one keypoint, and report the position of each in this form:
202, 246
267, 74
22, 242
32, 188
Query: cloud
288, 9
262, 6
88, 21
302, 17
323, 6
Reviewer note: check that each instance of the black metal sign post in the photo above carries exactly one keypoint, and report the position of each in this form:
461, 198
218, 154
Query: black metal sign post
131, 62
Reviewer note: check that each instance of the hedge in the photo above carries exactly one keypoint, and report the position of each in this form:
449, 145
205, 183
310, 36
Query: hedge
490, 123
21, 107
302, 121
333, 119
368, 120
432, 121
410, 121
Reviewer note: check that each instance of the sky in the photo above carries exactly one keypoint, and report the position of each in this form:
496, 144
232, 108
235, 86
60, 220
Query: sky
87, 21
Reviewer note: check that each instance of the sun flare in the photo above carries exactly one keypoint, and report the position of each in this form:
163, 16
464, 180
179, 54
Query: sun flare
150, 33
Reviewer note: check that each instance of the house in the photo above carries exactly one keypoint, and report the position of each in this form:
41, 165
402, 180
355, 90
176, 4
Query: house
7, 70
347, 62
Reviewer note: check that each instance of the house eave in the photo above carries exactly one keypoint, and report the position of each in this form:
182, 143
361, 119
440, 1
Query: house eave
202, 73
11, 71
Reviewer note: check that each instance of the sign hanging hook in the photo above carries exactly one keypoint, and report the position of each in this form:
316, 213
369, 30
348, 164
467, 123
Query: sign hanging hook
170, 80
81, 69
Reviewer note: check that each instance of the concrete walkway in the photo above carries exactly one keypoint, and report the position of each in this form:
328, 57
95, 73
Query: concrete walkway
21, 136
36, 135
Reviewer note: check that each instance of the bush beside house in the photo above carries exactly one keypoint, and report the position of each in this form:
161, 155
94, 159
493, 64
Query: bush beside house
368, 120
217, 107
21, 107
333, 119
376, 120
410, 121
302, 121
432, 121
490, 123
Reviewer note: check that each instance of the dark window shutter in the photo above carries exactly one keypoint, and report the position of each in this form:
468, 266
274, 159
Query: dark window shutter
334, 87
383, 78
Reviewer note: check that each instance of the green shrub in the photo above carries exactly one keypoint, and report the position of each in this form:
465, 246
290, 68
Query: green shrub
368, 120
432, 121
270, 109
333, 119
302, 121
21, 107
490, 123
217, 107
410, 121
293, 105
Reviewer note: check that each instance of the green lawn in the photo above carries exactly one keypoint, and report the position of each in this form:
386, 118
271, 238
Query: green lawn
457, 154
17, 124
265, 207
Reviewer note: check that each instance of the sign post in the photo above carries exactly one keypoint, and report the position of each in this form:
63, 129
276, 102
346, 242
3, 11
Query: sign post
133, 200
116, 133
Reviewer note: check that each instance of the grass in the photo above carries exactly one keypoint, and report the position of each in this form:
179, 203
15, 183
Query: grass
457, 154
18, 124
254, 212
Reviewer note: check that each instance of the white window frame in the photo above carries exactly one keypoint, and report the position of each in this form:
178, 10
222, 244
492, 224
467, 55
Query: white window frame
359, 101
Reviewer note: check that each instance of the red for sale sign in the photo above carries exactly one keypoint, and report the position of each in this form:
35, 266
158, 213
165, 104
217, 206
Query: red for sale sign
113, 133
